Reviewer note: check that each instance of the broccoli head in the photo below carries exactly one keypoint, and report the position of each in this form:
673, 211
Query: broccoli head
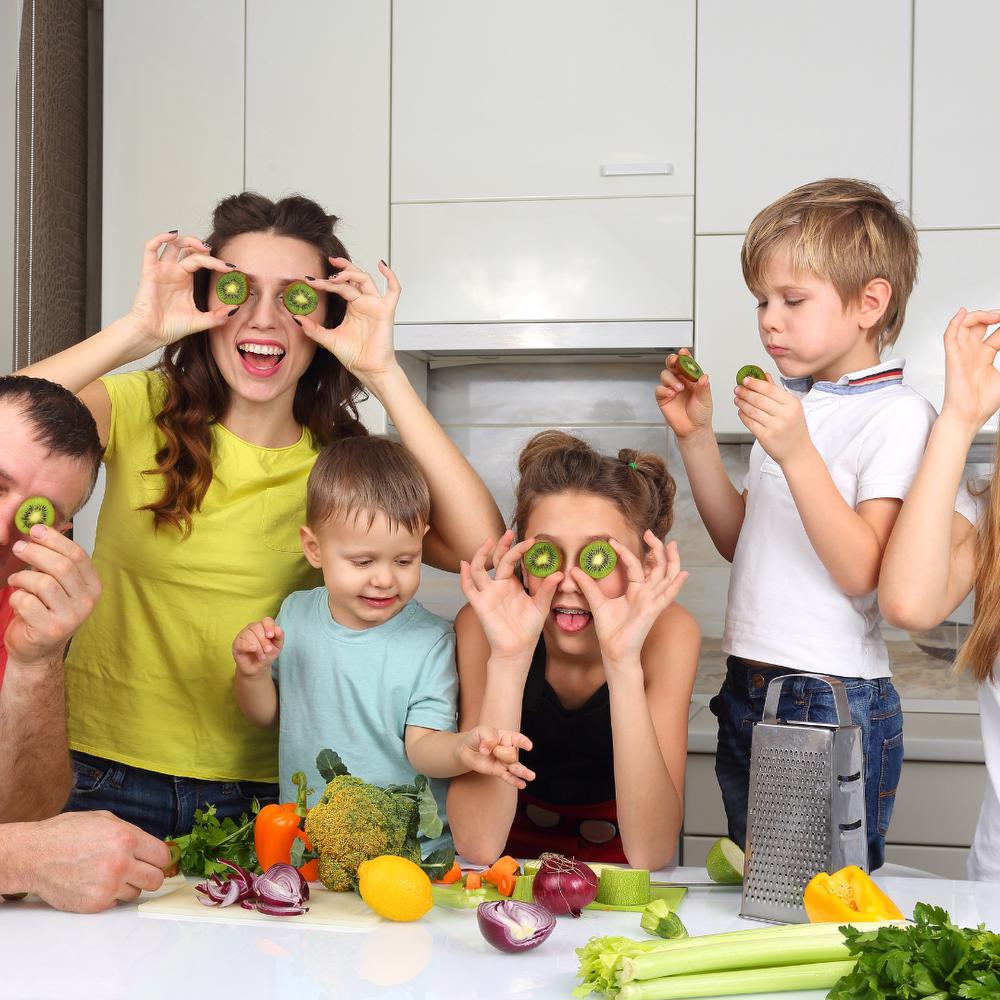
354, 822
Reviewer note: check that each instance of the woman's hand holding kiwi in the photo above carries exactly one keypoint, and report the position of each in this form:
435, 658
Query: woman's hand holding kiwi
164, 309
686, 406
972, 382
363, 341
511, 617
622, 623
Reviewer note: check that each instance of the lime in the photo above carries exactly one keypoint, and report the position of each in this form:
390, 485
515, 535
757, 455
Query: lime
395, 888
725, 862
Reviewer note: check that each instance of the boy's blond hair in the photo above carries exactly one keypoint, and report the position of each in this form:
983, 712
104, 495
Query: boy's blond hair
846, 231
364, 476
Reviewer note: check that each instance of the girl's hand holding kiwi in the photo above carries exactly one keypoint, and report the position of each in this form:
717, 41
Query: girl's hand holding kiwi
257, 646
685, 405
622, 623
511, 617
363, 341
164, 309
972, 382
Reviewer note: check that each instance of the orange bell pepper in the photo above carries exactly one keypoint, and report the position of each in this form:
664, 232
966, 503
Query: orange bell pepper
277, 827
847, 896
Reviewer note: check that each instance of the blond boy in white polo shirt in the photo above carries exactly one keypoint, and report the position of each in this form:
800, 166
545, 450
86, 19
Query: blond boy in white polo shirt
832, 265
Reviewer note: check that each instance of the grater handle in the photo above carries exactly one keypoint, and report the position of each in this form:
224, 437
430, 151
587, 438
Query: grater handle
839, 697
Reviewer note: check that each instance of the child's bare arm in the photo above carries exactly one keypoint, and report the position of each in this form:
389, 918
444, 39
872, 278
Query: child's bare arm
687, 409
255, 648
483, 749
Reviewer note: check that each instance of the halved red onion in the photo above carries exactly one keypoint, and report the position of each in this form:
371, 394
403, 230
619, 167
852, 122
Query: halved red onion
280, 911
279, 892
564, 885
281, 885
512, 926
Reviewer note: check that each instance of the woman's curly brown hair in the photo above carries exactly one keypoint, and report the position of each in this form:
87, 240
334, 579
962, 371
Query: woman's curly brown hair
197, 395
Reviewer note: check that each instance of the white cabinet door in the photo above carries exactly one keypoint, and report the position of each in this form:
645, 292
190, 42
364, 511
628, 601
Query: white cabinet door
956, 114
790, 92
725, 326
528, 100
956, 269
317, 112
537, 261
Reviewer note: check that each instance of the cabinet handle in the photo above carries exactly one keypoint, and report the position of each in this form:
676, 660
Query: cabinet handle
636, 169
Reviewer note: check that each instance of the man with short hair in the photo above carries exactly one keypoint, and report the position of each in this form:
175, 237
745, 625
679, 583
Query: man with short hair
49, 448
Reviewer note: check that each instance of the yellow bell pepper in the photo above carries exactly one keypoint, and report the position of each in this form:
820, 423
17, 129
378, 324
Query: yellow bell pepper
847, 896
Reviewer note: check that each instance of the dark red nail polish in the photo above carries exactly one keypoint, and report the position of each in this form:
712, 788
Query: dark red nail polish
309, 277
233, 312
383, 263
298, 322
173, 232
233, 266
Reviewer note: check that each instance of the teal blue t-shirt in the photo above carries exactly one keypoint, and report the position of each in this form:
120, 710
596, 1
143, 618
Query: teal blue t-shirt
357, 691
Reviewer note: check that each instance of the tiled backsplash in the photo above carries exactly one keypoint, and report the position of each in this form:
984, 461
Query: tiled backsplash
490, 411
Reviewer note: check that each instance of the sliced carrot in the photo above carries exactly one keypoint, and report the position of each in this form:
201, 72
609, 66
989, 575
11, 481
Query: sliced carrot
502, 866
505, 884
453, 874
474, 880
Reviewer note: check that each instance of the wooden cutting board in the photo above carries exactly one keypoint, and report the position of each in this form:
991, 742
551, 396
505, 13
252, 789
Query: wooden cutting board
339, 911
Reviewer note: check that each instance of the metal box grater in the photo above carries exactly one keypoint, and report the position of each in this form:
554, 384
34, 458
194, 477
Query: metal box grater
806, 811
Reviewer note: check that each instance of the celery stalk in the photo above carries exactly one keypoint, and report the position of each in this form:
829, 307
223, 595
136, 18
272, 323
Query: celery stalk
747, 953
740, 982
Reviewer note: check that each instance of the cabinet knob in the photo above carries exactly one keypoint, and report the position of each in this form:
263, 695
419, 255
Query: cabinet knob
636, 169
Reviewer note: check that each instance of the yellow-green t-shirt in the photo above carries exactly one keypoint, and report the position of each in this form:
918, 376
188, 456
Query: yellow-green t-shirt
150, 674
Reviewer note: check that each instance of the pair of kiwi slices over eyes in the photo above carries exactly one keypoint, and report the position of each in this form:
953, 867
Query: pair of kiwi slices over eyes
35, 510
597, 559
750, 371
233, 288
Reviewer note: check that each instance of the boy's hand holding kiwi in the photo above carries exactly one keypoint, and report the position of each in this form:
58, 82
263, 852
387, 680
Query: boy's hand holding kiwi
257, 646
494, 752
686, 405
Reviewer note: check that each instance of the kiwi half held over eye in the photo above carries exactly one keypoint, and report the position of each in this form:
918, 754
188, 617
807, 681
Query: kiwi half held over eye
688, 368
542, 559
749, 371
34, 510
232, 288
598, 559
300, 299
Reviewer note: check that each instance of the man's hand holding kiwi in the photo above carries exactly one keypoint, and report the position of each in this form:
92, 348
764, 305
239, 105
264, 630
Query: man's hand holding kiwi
53, 595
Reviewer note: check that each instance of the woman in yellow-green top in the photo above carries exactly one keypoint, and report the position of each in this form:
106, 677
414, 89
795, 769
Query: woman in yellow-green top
207, 456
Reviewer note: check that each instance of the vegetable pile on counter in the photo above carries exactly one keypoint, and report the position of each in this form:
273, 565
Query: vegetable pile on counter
355, 822
737, 963
278, 892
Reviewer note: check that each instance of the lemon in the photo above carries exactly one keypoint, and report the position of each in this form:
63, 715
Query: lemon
395, 888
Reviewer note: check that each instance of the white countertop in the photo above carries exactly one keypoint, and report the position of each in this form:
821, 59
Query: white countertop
121, 955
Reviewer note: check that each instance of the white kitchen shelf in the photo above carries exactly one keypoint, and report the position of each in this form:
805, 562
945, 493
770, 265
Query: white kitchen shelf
449, 343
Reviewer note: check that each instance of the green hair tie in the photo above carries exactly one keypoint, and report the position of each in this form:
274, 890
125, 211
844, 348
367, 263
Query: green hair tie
631, 465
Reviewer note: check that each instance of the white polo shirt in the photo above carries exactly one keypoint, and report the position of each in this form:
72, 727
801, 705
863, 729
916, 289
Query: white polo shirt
984, 858
784, 607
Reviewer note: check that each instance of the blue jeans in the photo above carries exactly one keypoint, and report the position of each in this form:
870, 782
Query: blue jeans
160, 804
874, 707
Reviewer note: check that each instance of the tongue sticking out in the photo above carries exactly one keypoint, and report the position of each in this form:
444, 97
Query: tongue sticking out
264, 362
571, 622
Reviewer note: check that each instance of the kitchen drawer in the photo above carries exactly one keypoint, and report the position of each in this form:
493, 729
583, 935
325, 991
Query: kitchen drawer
703, 809
948, 862
937, 803
538, 261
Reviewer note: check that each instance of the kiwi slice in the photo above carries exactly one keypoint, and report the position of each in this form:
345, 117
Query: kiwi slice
232, 288
34, 510
749, 371
542, 559
598, 559
300, 299
623, 887
688, 368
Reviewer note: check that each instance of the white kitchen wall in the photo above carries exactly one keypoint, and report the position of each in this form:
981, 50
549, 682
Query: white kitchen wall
10, 16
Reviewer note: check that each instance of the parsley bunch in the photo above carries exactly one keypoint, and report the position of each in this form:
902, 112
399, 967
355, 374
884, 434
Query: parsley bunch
930, 960
211, 839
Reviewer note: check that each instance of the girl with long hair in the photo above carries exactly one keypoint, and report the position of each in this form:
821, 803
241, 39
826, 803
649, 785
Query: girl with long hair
946, 543
597, 673
207, 456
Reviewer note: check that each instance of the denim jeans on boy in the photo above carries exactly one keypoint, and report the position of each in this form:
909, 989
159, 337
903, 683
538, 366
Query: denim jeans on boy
160, 804
874, 707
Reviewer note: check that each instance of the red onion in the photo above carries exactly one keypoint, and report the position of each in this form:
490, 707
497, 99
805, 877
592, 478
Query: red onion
279, 892
564, 885
512, 926
281, 885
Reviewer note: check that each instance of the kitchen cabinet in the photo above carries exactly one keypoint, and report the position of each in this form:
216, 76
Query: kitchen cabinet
790, 92
957, 268
956, 142
725, 323
565, 99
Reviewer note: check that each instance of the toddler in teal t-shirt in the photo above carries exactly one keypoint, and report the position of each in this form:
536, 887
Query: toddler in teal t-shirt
358, 665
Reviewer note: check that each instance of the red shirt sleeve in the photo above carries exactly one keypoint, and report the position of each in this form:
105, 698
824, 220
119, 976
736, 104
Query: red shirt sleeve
6, 613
